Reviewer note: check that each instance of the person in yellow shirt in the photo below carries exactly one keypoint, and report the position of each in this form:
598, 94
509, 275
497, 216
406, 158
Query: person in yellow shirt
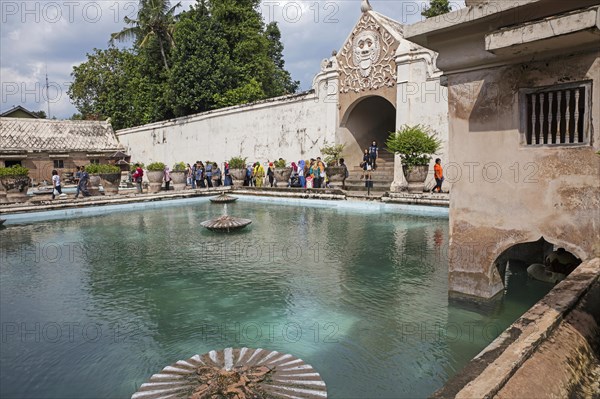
438, 173
259, 174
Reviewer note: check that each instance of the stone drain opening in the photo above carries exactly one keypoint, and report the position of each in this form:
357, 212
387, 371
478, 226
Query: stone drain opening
541, 260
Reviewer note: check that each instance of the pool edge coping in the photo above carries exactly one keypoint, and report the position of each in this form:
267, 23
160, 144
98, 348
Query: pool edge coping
490, 370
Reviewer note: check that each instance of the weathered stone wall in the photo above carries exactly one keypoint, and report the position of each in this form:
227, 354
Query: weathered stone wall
291, 127
505, 192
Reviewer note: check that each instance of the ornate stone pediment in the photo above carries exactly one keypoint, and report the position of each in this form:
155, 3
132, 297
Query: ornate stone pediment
366, 61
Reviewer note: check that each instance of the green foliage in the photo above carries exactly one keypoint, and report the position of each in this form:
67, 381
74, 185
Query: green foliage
218, 53
414, 144
237, 163
14, 171
201, 69
180, 167
333, 153
119, 84
280, 163
155, 20
436, 7
247, 93
156, 167
102, 169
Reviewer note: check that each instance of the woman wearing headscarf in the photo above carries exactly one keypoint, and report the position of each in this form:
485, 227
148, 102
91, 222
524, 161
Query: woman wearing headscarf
301, 166
167, 177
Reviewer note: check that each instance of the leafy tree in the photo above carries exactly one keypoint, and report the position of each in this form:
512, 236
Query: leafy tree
155, 19
247, 93
436, 7
201, 69
282, 80
216, 54
111, 84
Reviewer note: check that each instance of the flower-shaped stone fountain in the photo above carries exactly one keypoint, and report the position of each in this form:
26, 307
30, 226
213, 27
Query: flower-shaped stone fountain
235, 373
226, 223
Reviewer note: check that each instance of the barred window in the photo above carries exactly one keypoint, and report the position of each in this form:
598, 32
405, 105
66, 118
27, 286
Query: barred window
59, 164
556, 115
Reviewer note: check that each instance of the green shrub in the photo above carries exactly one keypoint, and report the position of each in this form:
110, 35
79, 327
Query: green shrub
102, 169
156, 167
179, 167
333, 153
14, 171
237, 163
280, 163
414, 144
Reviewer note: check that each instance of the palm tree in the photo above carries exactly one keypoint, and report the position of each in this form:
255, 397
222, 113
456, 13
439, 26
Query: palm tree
155, 18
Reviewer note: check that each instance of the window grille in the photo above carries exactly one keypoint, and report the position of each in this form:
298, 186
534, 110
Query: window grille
59, 164
557, 115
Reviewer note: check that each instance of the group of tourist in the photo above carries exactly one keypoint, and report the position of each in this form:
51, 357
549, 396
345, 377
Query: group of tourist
309, 174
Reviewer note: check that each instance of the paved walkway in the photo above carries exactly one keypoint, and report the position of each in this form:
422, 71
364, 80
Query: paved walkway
326, 194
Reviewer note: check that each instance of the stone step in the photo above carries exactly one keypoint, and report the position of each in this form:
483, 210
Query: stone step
378, 170
382, 179
373, 189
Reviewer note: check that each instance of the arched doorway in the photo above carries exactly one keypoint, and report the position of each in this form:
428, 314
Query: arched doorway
546, 258
369, 118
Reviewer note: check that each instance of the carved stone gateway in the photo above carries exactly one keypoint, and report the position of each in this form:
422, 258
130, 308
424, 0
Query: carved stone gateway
366, 61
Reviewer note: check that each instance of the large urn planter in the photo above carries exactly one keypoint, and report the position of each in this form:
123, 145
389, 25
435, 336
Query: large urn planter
335, 173
16, 188
156, 180
415, 176
238, 174
110, 182
282, 175
94, 184
178, 179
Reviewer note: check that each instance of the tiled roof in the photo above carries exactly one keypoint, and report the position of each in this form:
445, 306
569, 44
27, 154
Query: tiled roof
56, 135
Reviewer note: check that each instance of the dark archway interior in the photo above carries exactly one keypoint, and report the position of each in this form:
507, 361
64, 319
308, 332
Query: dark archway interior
372, 119
523, 255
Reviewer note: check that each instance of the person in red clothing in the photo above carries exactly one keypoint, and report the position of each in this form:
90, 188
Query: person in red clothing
138, 177
438, 173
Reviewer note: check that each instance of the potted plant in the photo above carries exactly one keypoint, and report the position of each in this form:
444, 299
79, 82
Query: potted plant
179, 176
333, 154
237, 168
156, 171
15, 181
281, 172
110, 177
415, 145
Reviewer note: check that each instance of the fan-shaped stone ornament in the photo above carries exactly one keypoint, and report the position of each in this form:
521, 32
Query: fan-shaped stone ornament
236, 374
223, 199
226, 223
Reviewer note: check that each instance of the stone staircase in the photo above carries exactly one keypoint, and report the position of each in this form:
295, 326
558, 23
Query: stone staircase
382, 177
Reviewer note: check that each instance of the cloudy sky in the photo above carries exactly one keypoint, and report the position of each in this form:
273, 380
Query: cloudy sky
53, 36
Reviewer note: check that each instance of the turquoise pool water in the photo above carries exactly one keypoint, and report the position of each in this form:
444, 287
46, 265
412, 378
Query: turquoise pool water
91, 307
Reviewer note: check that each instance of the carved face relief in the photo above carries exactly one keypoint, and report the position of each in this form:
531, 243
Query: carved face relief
366, 51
